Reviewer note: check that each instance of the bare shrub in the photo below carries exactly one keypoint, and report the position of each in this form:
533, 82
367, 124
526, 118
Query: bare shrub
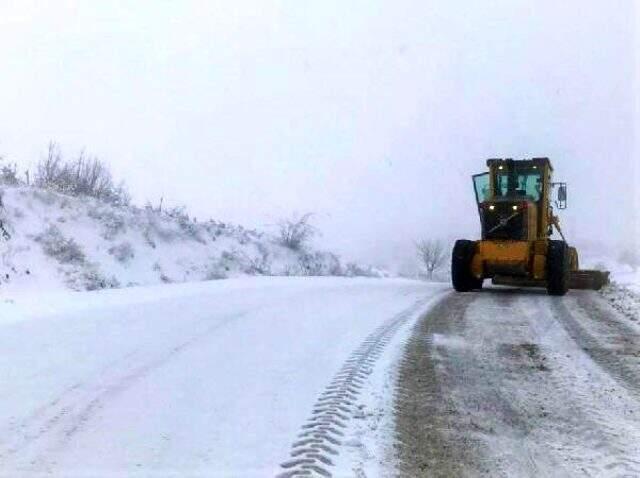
112, 223
9, 173
3, 229
295, 232
259, 264
88, 277
432, 255
292, 270
215, 272
228, 259
48, 170
319, 264
123, 253
157, 229
334, 266
239, 261
356, 270
220, 267
84, 176
64, 250
146, 234
188, 225
92, 279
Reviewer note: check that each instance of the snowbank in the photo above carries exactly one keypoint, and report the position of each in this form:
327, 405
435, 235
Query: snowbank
624, 300
59, 242
621, 274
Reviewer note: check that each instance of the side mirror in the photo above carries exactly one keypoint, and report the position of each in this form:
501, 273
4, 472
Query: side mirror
562, 193
561, 201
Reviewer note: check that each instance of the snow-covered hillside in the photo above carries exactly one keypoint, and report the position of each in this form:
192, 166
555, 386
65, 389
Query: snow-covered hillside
59, 241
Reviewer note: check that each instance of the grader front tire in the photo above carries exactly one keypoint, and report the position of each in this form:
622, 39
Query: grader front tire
461, 277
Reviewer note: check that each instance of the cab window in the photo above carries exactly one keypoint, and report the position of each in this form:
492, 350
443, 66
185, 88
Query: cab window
481, 185
529, 184
502, 184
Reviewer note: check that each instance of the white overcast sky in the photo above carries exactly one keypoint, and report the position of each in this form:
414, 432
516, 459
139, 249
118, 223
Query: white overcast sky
372, 114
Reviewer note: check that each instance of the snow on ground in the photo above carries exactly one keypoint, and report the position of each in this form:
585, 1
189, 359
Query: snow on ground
210, 378
628, 278
623, 293
370, 436
508, 382
622, 274
624, 299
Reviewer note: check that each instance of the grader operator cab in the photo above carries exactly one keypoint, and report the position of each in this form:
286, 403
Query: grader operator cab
514, 201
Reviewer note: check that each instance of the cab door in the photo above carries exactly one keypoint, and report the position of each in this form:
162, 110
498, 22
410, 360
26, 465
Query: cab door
482, 187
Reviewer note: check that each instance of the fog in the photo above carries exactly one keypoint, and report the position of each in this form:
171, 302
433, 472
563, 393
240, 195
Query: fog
371, 114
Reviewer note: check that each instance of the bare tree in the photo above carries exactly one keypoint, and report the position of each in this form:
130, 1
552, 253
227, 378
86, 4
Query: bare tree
296, 231
432, 255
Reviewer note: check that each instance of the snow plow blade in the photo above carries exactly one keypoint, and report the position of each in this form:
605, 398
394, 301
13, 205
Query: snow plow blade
582, 279
588, 279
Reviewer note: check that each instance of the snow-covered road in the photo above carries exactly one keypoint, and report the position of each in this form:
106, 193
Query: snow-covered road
268, 377
215, 379
508, 382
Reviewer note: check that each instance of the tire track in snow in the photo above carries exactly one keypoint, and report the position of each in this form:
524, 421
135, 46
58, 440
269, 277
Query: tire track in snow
498, 387
591, 424
609, 358
321, 436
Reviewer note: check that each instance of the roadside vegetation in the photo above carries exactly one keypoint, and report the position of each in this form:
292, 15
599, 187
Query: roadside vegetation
432, 256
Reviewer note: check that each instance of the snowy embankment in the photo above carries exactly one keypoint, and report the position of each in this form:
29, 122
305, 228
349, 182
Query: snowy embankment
623, 274
623, 294
59, 242
625, 299
203, 379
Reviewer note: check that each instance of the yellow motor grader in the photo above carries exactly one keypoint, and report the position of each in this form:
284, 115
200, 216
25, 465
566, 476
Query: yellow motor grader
517, 218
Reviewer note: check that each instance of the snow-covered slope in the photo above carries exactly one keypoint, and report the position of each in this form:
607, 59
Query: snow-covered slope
58, 241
